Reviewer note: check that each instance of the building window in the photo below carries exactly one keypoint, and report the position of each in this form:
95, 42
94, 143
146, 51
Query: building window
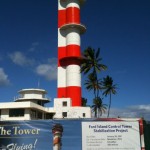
40, 103
48, 116
16, 112
64, 104
33, 114
83, 114
64, 114
40, 115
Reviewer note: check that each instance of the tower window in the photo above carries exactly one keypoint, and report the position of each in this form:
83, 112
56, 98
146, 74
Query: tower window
64, 114
64, 104
83, 114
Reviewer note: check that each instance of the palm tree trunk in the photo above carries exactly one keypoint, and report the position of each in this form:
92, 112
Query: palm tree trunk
95, 93
97, 113
109, 106
97, 90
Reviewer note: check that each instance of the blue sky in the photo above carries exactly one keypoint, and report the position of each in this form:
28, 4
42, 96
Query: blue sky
121, 29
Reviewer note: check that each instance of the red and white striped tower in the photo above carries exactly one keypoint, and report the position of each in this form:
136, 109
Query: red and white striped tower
69, 30
57, 134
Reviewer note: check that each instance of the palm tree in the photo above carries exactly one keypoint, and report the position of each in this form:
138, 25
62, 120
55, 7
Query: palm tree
92, 83
92, 61
109, 89
92, 64
98, 107
84, 102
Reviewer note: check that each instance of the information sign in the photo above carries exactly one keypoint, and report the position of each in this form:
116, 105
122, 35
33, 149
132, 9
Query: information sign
119, 135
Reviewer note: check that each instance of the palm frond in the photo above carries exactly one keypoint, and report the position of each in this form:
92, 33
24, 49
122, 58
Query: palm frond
97, 53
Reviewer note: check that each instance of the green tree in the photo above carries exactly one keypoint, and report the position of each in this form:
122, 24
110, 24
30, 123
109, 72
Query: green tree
92, 65
109, 89
92, 61
98, 107
92, 83
84, 102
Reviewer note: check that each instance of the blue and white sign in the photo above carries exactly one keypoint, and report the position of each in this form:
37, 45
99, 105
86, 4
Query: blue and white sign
79, 134
110, 136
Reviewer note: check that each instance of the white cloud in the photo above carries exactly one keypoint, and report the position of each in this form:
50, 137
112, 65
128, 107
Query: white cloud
20, 59
3, 78
48, 70
136, 111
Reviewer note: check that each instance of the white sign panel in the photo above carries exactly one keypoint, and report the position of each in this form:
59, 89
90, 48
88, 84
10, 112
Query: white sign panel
110, 135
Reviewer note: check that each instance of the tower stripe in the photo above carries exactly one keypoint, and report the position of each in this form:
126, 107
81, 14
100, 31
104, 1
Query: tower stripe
69, 29
73, 15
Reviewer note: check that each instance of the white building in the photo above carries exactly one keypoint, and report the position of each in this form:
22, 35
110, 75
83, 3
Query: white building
30, 105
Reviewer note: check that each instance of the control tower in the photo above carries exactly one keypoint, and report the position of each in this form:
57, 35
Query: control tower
69, 55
